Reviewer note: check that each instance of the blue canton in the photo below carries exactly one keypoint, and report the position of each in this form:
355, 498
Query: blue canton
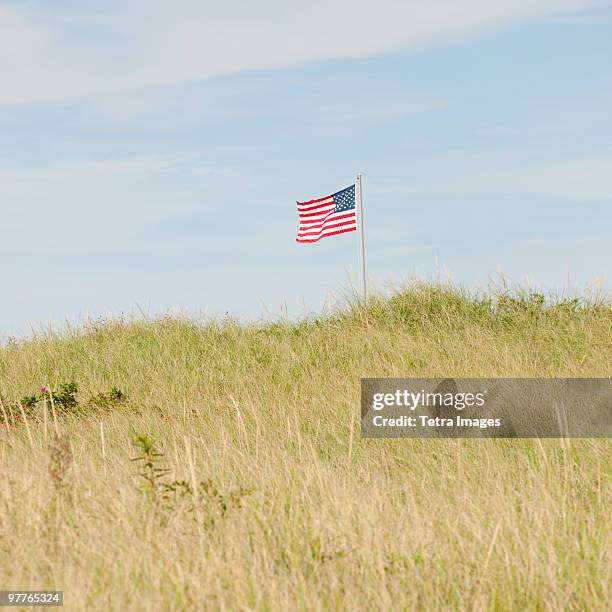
345, 199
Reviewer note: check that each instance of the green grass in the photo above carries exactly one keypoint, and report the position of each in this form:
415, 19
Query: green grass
259, 504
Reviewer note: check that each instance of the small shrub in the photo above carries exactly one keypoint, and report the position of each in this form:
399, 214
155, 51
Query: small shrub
207, 504
28, 402
112, 399
149, 458
64, 400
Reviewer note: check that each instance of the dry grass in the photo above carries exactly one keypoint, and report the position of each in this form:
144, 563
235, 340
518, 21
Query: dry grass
284, 519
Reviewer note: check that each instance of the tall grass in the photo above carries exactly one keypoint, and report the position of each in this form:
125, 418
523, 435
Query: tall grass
258, 502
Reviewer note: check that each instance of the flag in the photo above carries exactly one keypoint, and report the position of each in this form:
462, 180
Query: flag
328, 216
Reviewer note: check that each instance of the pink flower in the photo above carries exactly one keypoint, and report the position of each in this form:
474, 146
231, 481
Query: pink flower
43, 390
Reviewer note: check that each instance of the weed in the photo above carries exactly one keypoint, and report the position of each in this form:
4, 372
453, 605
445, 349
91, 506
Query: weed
149, 458
113, 399
28, 403
65, 400
207, 503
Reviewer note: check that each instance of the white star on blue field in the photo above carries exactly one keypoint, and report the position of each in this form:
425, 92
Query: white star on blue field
144, 168
345, 199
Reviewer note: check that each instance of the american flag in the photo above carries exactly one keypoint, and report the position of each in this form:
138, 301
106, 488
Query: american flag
328, 216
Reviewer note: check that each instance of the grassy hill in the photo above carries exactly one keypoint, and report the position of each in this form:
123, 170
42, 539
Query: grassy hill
215, 463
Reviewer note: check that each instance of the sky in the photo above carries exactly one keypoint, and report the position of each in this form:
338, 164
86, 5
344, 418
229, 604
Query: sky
151, 153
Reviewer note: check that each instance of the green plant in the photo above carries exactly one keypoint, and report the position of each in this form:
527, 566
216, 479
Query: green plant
149, 458
205, 503
66, 398
112, 399
63, 400
116, 395
28, 402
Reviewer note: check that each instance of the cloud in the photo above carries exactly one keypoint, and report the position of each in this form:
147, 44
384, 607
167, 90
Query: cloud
356, 98
54, 56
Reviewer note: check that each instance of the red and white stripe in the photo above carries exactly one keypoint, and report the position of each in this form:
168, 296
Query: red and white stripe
318, 220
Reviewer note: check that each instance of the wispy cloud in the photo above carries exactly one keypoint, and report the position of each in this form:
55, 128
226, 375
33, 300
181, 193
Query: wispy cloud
47, 56
355, 98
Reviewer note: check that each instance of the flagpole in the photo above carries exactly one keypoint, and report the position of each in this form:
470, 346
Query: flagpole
358, 195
